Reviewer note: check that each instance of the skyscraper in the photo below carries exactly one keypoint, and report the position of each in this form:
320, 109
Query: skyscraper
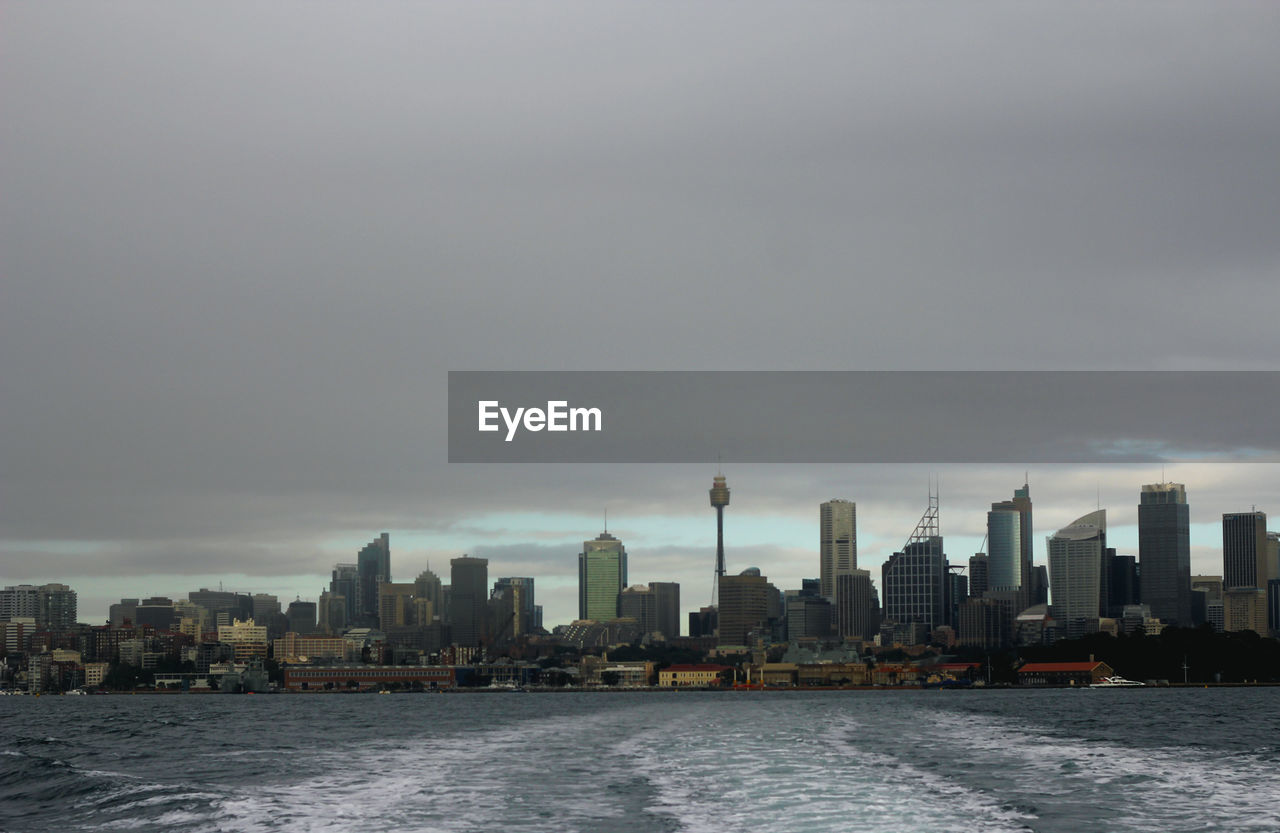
914, 580
1015, 562
666, 597
1075, 570
602, 573
469, 600
744, 606
428, 592
1244, 552
638, 602
837, 543
979, 575
855, 606
525, 596
344, 584
1004, 549
374, 563
302, 616
1246, 571
1164, 552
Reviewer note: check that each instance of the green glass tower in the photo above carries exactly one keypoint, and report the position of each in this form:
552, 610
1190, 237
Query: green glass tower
602, 574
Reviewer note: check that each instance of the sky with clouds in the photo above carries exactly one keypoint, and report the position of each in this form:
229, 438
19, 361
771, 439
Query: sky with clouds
242, 245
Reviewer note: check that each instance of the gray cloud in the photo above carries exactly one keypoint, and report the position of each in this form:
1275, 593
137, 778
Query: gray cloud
242, 248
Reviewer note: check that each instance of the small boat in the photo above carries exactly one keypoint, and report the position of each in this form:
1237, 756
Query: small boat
1116, 682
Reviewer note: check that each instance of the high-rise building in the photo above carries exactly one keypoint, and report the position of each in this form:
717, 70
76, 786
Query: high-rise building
345, 584
979, 575
332, 612
856, 614
1004, 549
1164, 552
374, 564
428, 588
19, 601
809, 616
57, 609
469, 600
1075, 570
837, 543
525, 597
1244, 551
637, 602
157, 612
1014, 558
1121, 572
704, 622
744, 606
666, 602
264, 604
224, 606
395, 604
602, 573
125, 610
914, 580
1245, 609
302, 617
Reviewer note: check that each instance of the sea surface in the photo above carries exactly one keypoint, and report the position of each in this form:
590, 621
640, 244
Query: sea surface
1063, 760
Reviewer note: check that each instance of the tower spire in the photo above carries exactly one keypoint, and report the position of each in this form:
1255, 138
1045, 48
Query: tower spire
719, 500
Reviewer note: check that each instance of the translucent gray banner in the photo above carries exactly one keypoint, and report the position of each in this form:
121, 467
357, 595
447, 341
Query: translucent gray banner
931, 417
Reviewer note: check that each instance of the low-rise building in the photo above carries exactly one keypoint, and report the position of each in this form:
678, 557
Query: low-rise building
693, 676
1063, 673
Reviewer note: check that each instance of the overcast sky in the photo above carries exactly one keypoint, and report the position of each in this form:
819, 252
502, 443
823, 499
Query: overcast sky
242, 244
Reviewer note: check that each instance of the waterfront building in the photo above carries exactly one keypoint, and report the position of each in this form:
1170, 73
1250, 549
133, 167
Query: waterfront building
1164, 552
602, 573
694, 676
837, 543
247, 639
1063, 673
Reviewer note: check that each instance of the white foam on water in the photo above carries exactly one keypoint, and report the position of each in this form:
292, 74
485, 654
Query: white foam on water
507, 776
1166, 789
794, 773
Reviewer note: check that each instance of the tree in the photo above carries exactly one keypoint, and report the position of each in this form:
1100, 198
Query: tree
610, 678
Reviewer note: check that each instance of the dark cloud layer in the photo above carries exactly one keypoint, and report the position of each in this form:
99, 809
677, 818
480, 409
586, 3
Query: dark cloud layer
242, 246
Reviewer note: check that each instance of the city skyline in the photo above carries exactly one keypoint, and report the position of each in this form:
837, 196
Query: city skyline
688, 565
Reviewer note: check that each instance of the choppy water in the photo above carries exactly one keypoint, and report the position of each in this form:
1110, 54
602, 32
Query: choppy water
1122, 760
